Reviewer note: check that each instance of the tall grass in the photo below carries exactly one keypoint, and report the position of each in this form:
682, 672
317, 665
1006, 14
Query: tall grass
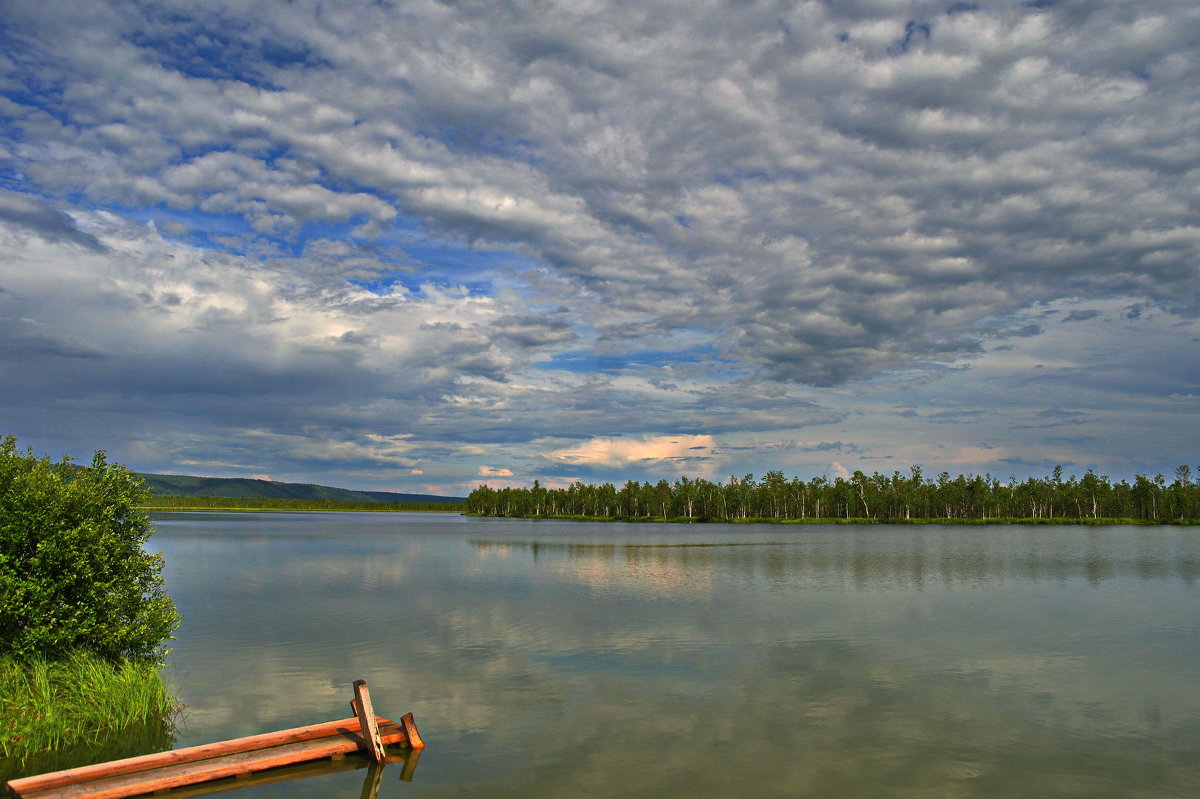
83, 699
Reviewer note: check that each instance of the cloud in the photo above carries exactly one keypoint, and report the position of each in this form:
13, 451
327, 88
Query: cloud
521, 226
493, 471
984, 106
620, 452
49, 224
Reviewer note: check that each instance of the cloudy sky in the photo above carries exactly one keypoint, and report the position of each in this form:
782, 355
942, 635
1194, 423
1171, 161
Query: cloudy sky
417, 245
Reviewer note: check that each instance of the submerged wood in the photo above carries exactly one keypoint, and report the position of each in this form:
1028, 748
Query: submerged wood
197, 764
407, 758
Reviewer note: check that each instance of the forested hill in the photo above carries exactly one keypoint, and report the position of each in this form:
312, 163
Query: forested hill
176, 485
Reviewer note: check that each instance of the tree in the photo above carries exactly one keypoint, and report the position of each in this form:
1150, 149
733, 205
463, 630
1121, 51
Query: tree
73, 571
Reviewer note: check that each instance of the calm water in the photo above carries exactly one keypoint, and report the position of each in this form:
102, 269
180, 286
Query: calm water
558, 659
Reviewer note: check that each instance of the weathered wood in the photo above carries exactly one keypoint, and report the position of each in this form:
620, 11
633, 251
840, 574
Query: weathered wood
410, 731
311, 768
366, 718
165, 770
299, 771
189, 754
236, 759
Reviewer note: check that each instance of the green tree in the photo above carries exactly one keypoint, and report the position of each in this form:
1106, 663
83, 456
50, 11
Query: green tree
73, 571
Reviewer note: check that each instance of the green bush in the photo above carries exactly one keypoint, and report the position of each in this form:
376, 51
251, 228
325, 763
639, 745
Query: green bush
73, 571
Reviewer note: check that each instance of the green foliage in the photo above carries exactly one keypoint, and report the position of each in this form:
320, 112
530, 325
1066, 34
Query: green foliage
904, 498
80, 700
73, 571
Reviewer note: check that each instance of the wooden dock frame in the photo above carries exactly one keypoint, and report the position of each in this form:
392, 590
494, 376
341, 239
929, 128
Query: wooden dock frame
238, 758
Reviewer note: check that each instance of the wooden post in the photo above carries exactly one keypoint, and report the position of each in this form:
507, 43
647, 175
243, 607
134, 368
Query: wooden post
366, 719
410, 731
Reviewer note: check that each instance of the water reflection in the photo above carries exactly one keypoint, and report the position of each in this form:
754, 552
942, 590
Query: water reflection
555, 659
157, 735
856, 561
405, 761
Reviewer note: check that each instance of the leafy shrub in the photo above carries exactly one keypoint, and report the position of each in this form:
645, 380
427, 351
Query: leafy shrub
73, 571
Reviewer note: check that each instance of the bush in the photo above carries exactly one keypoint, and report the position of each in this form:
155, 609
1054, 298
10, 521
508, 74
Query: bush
73, 571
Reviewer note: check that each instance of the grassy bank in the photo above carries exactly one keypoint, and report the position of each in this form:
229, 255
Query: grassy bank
276, 503
83, 699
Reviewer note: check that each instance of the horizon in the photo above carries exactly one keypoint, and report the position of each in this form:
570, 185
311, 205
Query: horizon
423, 249
846, 476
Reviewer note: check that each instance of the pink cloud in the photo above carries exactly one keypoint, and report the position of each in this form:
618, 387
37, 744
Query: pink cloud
621, 451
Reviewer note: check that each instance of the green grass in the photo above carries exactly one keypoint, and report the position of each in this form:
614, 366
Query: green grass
82, 700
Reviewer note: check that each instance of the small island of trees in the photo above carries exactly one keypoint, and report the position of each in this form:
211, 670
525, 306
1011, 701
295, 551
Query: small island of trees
874, 498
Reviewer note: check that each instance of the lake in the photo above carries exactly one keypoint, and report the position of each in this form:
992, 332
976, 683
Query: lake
554, 659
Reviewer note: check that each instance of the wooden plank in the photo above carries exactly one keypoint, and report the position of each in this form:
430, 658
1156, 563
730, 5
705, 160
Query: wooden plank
410, 731
228, 765
188, 754
344, 736
366, 719
311, 768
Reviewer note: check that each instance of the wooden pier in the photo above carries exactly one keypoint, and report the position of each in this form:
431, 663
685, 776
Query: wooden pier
239, 758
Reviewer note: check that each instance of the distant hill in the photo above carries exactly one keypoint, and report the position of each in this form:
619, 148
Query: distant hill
178, 485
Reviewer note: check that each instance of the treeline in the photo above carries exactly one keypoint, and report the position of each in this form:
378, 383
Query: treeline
270, 503
875, 497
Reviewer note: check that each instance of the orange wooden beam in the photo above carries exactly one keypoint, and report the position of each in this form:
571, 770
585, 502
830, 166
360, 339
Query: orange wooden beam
212, 761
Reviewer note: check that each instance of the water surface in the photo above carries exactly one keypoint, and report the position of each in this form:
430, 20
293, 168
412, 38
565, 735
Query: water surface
611, 660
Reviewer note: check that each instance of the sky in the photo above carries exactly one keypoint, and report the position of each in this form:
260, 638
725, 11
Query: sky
419, 246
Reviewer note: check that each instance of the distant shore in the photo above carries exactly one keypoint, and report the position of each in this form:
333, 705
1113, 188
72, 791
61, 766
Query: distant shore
770, 520
262, 504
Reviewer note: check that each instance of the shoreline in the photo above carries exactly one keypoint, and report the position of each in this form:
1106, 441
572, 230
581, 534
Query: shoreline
993, 521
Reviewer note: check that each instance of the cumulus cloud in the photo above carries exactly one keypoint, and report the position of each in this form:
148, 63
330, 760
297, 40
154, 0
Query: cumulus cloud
503, 224
620, 452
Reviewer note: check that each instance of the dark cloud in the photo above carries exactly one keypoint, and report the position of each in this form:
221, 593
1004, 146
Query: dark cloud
43, 221
533, 331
